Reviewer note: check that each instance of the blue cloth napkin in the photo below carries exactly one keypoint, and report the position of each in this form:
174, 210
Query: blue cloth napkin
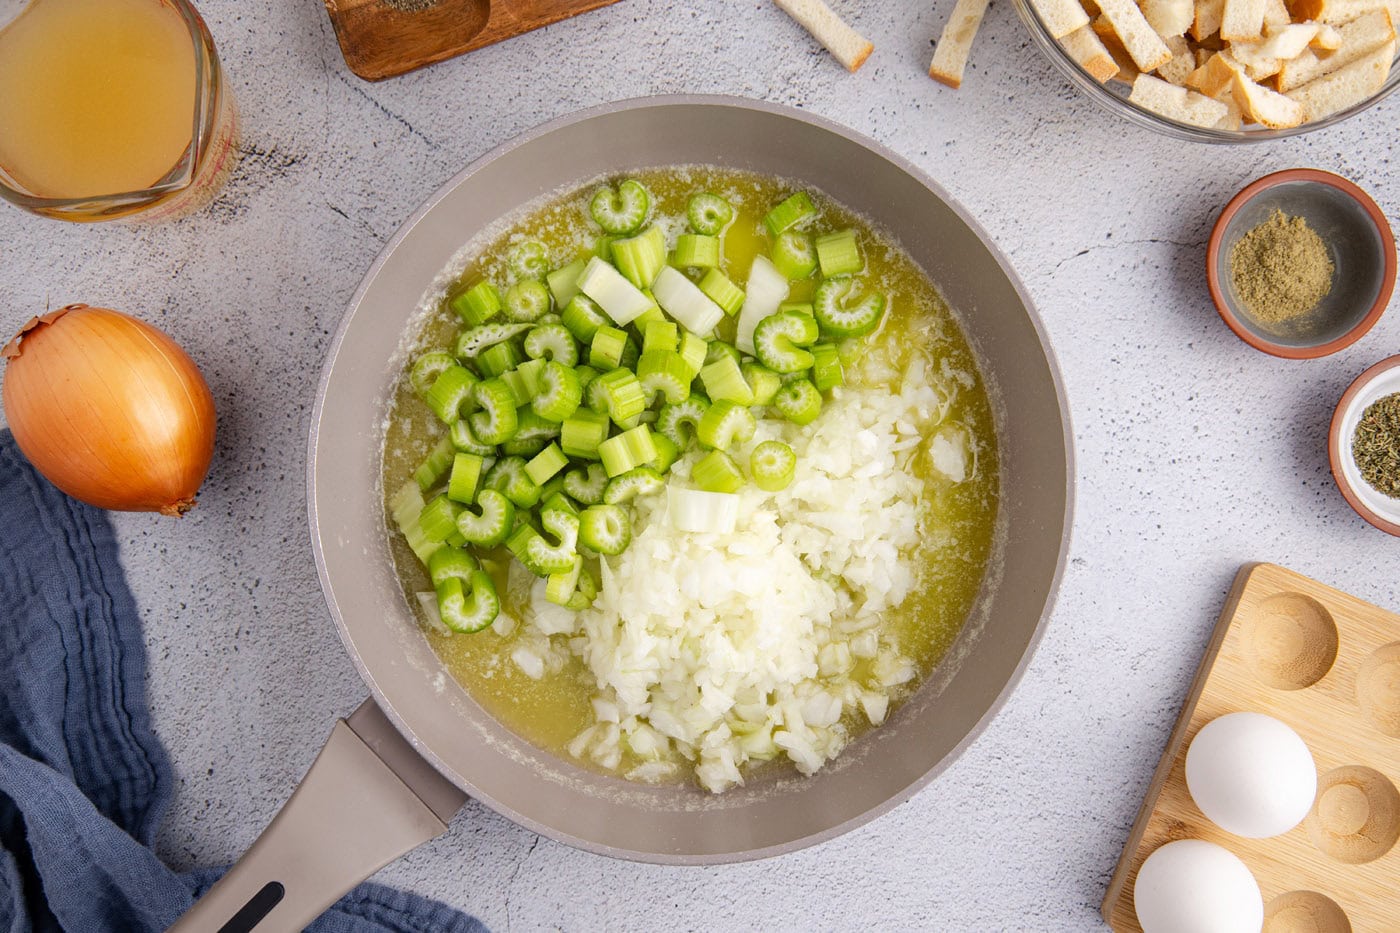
83, 778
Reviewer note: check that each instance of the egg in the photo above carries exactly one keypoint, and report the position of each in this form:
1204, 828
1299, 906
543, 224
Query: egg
1251, 775
1192, 886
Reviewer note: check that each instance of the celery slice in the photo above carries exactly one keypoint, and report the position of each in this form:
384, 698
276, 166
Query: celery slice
683, 300
666, 372
607, 348
725, 424
620, 211
438, 519
582, 432
717, 472
667, 452
587, 484
838, 254
605, 529
701, 512
837, 317
626, 451
508, 476
674, 420
545, 464
790, 213
461, 482
773, 465
826, 367
529, 260
559, 394
696, 251
799, 401
779, 339
469, 607
532, 427
552, 342
793, 255
450, 394
526, 301
492, 525
761, 380
427, 368
434, 466
561, 586
497, 421
766, 289
708, 213
660, 335
563, 283
620, 299
405, 506
693, 350
638, 481
718, 288
449, 562
583, 317
474, 341
498, 360
478, 304
641, 257
724, 382
620, 394
465, 441
546, 558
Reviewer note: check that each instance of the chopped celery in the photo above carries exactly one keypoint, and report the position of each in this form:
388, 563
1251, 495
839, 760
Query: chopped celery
683, 300
641, 257
765, 290
666, 372
478, 304
559, 393
438, 519
523, 447
563, 283
496, 423
838, 254
667, 452
526, 301
547, 558
560, 587
799, 401
619, 393
708, 213
804, 306
529, 375
779, 338
582, 432
826, 366
605, 529
761, 380
790, 213
607, 348
508, 476
717, 472
628, 450
793, 255
696, 251
529, 260
620, 299
724, 382
465, 441
718, 288
474, 341
470, 606
587, 484
837, 317
622, 211
638, 481
693, 350
434, 466
530, 426
492, 525
427, 368
725, 424
405, 506
583, 317
673, 420
773, 465
501, 358
461, 483
450, 393
660, 335
553, 342
545, 464
718, 350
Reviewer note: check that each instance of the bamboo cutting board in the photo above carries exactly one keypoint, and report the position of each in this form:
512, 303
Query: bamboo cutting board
1328, 665
384, 38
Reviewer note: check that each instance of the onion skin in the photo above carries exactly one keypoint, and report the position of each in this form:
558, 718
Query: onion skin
110, 410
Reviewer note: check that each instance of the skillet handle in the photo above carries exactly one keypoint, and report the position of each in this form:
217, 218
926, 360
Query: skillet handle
368, 798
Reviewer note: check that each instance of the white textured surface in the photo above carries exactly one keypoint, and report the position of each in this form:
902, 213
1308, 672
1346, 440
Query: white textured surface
1195, 452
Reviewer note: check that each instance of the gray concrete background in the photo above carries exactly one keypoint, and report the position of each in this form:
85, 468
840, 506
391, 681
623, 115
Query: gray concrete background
1195, 452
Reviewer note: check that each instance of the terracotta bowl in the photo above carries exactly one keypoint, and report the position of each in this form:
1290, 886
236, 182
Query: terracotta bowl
1359, 242
1377, 382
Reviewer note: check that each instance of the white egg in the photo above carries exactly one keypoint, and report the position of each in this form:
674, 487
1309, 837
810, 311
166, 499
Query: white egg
1191, 886
1251, 775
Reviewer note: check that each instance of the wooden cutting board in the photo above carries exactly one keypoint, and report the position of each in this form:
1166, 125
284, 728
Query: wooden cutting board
1328, 665
381, 39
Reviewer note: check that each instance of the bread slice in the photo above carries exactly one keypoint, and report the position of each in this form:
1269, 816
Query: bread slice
1338, 12
1233, 119
1346, 86
1085, 47
1276, 14
1177, 103
1139, 38
1209, 14
1269, 108
1360, 37
1061, 17
1287, 41
954, 45
1183, 61
1328, 38
1217, 76
1127, 68
1169, 17
1243, 20
848, 46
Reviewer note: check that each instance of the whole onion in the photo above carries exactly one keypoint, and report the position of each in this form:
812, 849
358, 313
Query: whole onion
110, 410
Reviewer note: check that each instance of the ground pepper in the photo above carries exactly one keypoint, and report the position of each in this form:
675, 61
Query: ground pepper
1281, 269
1376, 445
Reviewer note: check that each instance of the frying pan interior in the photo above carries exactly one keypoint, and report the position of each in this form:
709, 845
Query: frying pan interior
680, 824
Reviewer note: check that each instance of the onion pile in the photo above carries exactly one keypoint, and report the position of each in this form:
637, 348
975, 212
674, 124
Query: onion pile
110, 410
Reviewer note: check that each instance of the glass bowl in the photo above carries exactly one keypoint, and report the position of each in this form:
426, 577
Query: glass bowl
1113, 95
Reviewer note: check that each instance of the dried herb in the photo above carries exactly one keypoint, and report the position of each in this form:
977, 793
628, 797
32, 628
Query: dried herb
1281, 269
1376, 445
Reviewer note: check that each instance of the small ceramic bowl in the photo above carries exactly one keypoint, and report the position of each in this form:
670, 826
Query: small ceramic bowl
1377, 382
1359, 243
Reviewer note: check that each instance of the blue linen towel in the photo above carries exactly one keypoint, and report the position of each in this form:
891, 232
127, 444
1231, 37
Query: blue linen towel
83, 778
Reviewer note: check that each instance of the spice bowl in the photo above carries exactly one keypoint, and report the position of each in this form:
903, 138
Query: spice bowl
1378, 382
1358, 242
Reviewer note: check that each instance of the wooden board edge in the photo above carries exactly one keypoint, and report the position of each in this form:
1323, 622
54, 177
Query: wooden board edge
1116, 885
